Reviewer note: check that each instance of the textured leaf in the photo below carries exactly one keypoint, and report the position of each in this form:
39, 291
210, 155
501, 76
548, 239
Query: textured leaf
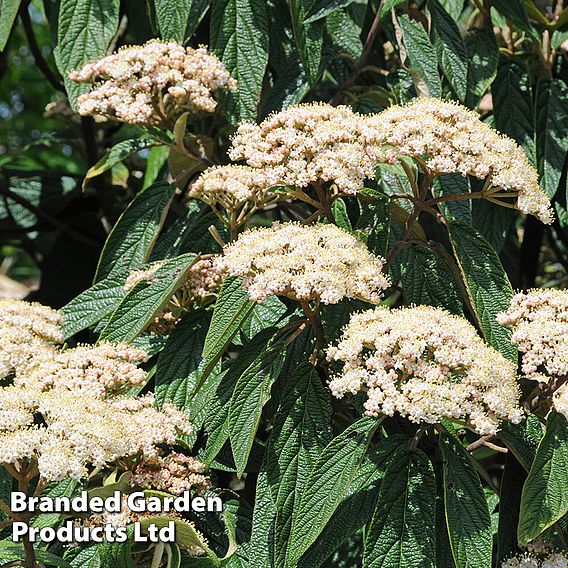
494, 223
85, 29
266, 314
117, 154
146, 300
469, 522
322, 8
15, 551
401, 532
92, 305
8, 12
513, 105
327, 485
522, 439
483, 55
374, 220
544, 500
454, 184
388, 5
217, 420
488, 287
357, 507
515, 12
426, 279
421, 54
176, 369
301, 430
132, 237
198, 10
308, 37
251, 393
239, 35
551, 128
262, 535
172, 17
452, 50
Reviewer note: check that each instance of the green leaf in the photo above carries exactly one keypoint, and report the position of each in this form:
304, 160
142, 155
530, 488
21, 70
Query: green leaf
146, 300
172, 18
308, 38
322, 8
301, 430
551, 128
545, 500
452, 50
264, 513
401, 532
217, 420
239, 35
176, 369
251, 393
15, 551
374, 220
488, 287
116, 154
522, 439
515, 12
511, 487
388, 5
8, 12
92, 305
265, 314
327, 484
198, 10
129, 243
494, 223
422, 56
232, 308
467, 513
357, 507
454, 184
426, 279
513, 105
483, 55
85, 29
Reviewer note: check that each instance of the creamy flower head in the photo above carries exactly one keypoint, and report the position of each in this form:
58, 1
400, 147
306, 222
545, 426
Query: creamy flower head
450, 138
304, 262
232, 185
307, 144
153, 83
64, 432
539, 320
425, 364
101, 370
27, 330
552, 560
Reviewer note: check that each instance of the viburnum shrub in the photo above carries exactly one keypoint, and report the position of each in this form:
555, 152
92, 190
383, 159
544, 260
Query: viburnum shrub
309, 257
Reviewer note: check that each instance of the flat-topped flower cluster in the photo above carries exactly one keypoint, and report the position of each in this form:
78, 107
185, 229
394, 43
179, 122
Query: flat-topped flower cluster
425, 364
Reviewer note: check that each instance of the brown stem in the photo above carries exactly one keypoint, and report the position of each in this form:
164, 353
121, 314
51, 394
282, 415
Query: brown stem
404, 235
29, 552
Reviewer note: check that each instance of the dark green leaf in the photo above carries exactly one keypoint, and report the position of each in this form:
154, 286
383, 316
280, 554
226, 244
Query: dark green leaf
322, 8
251, 393
551, 128
421, 55
132, 237
388, 5
487, 285
146, 300
8, 12
172, 17
469, 522
327, 485
426, 279
522, 439
301, 430
85, 29
401, 532
515, 12
483, 54
239, 35
545, 500
452, 50
454, 184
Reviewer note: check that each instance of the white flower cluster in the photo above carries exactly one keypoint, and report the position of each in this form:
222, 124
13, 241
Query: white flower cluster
153, 83
61, 432
425, 364
102, 369
450, 138
553, 560
307, 144
304, 262
539, 320
26, 329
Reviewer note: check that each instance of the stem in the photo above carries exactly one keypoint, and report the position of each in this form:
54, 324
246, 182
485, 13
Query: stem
457, 197
404, 235
315, 322
30, 558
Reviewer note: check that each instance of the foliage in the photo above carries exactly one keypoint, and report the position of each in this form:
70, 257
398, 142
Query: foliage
96, 220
